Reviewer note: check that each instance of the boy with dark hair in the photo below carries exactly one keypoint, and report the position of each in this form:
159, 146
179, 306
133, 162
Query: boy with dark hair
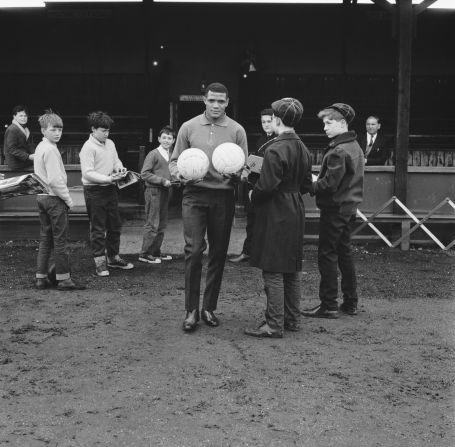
18, 142
157, 178
338, 190
101, 169
53, 207
279, 224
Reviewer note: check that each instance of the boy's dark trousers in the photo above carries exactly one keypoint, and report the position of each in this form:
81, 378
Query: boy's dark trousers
204, 211
156, 218
335, 251
105, 222
53, 215
283, 298
250, 217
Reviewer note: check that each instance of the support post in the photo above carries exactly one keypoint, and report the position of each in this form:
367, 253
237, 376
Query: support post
405, 24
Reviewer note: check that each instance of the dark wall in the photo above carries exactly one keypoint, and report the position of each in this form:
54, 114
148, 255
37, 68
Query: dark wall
76, 58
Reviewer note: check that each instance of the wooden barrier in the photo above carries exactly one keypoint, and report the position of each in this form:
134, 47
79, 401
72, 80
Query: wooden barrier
427, 186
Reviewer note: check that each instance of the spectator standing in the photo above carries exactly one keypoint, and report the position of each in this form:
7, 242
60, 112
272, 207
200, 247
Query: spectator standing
375, 145
280, 217
157, 178
53, 207
18, 143
338, 190
101, 168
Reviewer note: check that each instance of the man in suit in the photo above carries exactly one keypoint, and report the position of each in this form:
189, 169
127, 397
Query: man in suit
375, 146
19, 148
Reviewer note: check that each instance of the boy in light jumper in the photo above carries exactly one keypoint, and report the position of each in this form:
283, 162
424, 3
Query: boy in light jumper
157, 178
101, 169
53, 207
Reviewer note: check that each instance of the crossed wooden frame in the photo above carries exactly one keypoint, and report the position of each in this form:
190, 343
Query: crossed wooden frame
367, 221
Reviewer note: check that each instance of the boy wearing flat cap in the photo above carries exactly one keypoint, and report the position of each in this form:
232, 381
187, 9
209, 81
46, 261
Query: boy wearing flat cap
279, 222
338, 190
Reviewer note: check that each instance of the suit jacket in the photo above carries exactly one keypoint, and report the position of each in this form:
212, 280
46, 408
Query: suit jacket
380, 152
17, 149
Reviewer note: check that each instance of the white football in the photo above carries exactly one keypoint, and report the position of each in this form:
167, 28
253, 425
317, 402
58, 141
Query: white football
228, 158
193, 164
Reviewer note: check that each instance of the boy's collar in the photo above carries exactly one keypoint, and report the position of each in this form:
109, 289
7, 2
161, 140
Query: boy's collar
95, 140
344, 137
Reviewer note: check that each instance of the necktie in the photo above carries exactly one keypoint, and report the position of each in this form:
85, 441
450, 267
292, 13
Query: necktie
370, 145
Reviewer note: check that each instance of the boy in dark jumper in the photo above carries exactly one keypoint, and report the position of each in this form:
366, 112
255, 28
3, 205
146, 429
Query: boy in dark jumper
157, 178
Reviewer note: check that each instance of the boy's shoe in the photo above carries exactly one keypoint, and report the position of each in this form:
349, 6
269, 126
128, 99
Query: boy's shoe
42, 283
119, 263
348, 309
240, 258
320, 312
150, 259
69, 284
101, 269
291, 326
263, 331
165, 257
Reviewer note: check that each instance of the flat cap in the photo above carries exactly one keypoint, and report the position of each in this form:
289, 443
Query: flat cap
345, 109
289, 110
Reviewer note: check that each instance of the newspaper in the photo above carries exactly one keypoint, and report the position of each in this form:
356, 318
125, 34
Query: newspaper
129, 179
23, 185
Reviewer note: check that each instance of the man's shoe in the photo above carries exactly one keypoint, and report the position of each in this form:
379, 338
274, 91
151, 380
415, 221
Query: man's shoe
320, 312
69, 284
165, 257
42, 283
209, 318
348, 309
242, 257
150, 259
119, 263
263, 331
191, 319
292, 327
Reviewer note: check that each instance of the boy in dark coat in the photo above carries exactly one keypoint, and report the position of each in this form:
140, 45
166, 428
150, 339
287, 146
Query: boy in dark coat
339, 190
279, 224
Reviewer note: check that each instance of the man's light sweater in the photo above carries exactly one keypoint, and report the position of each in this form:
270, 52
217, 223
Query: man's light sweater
98, 162
48, 166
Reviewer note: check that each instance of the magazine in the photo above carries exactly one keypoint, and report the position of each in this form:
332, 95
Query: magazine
129, 179
23, 185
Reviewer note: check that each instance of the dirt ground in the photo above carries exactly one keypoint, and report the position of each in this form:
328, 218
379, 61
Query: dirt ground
110, 366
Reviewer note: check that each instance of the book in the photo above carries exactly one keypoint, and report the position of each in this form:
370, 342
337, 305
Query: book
23, 185
254, 162
129, 179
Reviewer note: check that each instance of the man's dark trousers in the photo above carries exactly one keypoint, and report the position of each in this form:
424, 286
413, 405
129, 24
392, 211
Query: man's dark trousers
204, 211
335, 251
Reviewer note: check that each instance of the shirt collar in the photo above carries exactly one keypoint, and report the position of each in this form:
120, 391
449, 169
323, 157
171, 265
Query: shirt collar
222, 122
163, 152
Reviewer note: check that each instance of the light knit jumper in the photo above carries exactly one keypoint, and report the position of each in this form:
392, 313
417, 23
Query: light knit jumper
98, 162
48, 165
